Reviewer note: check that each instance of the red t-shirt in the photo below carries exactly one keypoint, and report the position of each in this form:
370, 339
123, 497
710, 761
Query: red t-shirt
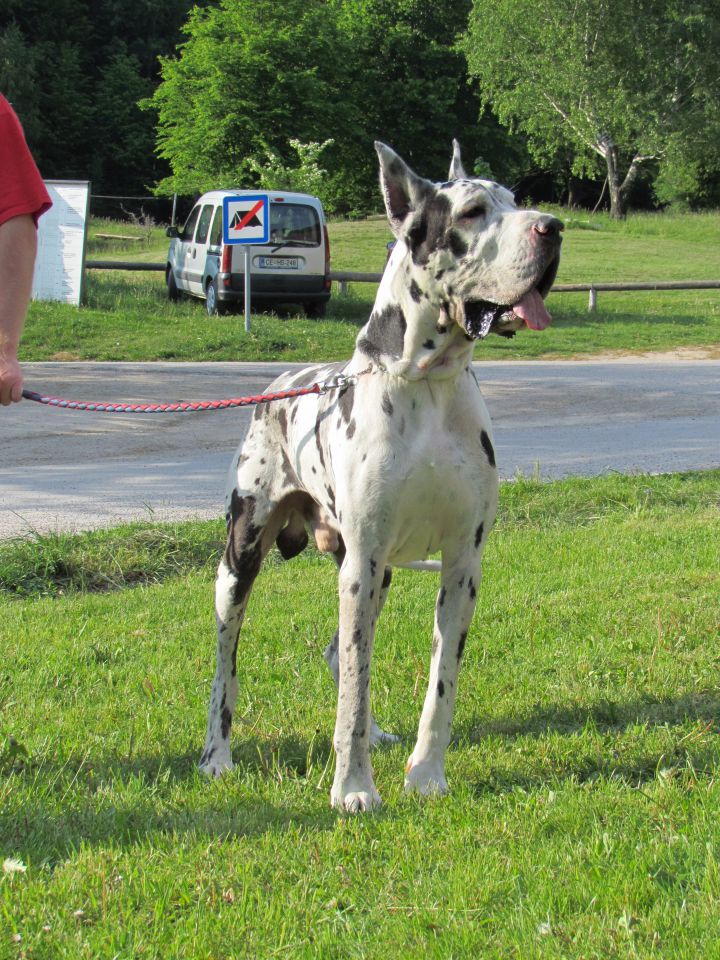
22, 190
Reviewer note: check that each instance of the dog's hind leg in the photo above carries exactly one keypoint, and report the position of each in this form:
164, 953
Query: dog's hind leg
377, 735
250, 535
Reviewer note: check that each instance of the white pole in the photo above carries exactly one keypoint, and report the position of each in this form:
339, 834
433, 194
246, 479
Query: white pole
247, 288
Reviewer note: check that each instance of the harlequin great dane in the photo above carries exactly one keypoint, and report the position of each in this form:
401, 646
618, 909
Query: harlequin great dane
395, 465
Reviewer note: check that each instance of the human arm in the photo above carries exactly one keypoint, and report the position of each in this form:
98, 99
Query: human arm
18, 245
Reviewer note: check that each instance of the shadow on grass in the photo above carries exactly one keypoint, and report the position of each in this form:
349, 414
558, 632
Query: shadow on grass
125, 801
697, 750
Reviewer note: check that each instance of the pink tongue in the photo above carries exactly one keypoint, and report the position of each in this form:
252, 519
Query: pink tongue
532, 310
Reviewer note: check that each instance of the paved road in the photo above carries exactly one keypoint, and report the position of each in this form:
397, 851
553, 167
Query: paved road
63, 470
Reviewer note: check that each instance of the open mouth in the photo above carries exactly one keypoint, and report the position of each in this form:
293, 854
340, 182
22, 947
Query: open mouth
483, 317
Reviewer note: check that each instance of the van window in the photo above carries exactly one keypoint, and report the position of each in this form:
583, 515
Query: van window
216, 231
204, 224
189, 228
294, 223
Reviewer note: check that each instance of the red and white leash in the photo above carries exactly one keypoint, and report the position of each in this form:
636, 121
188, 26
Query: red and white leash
333, 383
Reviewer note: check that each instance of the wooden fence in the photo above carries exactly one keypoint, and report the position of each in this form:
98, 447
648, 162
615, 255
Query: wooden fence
344, 277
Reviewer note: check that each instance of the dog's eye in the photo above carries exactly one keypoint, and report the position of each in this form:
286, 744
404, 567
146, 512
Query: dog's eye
472, 213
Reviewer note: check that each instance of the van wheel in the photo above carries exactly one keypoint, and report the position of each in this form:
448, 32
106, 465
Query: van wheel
315, 311
172, 287
213, 304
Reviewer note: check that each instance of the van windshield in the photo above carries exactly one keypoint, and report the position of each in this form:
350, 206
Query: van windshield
294, 224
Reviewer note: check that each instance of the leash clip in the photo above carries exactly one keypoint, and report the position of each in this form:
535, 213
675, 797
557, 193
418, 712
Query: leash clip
341, 380
337, 382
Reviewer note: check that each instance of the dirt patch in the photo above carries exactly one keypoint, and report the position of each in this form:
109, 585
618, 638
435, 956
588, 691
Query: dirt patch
65, 357
678, 355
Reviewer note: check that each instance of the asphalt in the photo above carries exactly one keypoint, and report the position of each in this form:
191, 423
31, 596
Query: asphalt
65, 470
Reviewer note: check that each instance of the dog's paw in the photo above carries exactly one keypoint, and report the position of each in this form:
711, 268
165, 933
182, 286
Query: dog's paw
425, 778
378, 736
214, 763
355, 801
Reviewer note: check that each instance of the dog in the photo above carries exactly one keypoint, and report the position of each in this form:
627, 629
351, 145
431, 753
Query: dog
395, 464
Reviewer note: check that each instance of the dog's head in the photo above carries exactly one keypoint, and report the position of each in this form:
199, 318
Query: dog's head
485, 263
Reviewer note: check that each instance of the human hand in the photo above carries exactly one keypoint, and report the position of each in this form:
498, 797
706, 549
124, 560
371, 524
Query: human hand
11, 380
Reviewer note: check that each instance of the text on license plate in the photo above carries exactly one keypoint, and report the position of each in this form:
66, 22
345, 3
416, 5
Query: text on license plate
279, 263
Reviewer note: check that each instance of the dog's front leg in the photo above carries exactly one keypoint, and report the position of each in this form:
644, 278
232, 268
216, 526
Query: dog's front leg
360, 584
425, 770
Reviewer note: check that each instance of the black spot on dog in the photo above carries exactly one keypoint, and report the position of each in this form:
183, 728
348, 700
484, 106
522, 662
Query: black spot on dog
488, 448
441, 329
478, 536
346, 398
402, 426
387, 405
289, 476
331, 498
429, 345
355, 588
340, 552
373, 567
441, 688
429, 232
461, 644
350, 432
242, 552
387, 578
282, 420
415, 291
439, 274
441, 597
384, 334
457, 245
471, 589
225, 723
318, 443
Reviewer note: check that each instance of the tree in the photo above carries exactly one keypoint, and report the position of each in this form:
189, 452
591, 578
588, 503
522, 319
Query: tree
251, 74
624, 82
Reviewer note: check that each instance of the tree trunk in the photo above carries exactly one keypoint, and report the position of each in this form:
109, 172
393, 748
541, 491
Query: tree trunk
619, 190
618, 198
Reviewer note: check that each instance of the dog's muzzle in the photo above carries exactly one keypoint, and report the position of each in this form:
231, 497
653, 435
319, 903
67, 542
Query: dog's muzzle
481, 317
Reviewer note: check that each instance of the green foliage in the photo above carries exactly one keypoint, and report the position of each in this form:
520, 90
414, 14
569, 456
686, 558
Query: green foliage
253, 77
306, 177
74, 72
614, 83
251, 74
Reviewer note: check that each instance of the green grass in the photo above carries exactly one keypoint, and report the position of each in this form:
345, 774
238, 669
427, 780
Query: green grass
584, 814
128, 317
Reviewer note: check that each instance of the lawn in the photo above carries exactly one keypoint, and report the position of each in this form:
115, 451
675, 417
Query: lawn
584, 818
127, 315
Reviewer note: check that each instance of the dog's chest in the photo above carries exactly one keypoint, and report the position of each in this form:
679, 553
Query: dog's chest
414, 465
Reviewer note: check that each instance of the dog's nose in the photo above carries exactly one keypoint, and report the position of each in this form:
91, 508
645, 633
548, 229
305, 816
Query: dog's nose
548, 226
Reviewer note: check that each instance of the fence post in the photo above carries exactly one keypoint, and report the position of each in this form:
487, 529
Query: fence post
592, 301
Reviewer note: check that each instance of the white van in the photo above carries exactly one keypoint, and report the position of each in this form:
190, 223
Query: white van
293, 267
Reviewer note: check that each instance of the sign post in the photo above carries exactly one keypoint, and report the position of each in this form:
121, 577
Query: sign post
246, 220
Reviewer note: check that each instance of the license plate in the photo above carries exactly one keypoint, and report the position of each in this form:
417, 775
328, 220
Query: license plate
279, 263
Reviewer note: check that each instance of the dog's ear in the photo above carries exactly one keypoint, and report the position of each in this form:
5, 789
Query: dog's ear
403, 190
457, 170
